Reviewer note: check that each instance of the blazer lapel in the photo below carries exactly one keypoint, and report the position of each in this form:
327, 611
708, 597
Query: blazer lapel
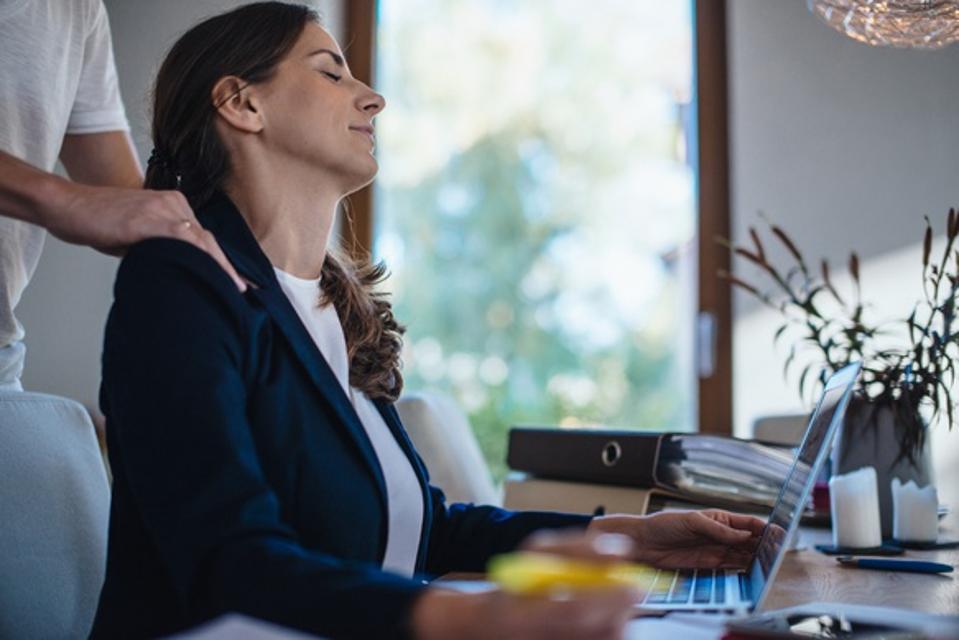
392, 420
278, 306
222, 219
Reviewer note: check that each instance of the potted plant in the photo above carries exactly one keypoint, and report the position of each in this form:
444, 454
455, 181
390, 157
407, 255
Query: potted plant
909, 366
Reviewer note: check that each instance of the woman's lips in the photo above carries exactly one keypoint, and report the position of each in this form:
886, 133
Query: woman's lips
365, 130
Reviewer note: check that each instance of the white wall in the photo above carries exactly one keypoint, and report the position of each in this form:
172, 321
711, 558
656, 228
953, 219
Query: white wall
847, 147
65, 307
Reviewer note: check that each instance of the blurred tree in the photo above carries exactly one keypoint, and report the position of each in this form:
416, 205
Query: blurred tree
531, 179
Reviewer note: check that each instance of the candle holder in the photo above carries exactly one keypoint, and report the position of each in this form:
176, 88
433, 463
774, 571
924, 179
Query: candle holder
854, 508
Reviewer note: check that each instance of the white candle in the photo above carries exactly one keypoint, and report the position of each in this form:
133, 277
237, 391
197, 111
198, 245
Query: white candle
854, 506
915, 512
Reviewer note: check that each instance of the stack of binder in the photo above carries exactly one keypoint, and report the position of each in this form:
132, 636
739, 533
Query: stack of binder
695, 468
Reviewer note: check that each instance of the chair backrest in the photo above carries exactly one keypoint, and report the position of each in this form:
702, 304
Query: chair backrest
441, 433
782, 429
54, 509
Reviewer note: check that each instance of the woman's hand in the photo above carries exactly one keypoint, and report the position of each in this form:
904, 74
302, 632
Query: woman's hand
600, 613
496, 615
708, 539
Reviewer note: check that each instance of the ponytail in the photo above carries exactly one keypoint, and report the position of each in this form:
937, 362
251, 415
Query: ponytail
161, 172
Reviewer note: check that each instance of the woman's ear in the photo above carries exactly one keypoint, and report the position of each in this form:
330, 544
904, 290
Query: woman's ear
235, 102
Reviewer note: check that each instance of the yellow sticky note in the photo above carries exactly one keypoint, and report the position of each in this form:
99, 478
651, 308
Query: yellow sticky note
540, 573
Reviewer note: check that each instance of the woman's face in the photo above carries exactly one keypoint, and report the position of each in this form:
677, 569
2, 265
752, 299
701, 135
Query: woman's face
316, 114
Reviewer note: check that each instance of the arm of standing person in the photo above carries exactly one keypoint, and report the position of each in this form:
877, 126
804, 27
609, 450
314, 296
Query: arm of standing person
105, 207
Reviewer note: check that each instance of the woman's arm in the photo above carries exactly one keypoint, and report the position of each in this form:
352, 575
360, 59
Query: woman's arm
174, 392
463, 537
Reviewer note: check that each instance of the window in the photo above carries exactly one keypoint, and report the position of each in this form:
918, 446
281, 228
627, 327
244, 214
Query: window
537, 207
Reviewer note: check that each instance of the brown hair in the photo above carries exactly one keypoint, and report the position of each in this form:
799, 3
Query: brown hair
249, 42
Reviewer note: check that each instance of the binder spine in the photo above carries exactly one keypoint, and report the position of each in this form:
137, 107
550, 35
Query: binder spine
617, 457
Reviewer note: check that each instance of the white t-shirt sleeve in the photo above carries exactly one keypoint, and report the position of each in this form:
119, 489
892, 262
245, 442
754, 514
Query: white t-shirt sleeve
98, 107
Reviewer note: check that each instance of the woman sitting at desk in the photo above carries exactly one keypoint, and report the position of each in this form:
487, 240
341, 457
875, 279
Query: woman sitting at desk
259, 464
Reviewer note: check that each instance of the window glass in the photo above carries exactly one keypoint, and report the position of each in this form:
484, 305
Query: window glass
536, 207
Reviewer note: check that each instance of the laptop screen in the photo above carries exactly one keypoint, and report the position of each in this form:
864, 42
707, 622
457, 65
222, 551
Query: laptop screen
795, 491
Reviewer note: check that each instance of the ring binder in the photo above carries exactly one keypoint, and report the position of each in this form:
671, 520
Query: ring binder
702, 468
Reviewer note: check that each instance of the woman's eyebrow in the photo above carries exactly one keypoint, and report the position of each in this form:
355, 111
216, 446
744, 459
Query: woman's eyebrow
337, 58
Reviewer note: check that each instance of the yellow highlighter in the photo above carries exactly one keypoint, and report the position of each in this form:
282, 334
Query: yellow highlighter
542, 574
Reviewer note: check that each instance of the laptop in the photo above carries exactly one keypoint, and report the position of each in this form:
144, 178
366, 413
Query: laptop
744, 591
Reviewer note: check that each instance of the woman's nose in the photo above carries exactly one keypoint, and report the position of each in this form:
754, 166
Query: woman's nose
371, 103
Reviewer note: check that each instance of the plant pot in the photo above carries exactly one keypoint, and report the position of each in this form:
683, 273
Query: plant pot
870, 437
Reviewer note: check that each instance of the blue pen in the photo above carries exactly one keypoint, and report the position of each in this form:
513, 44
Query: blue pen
893, 564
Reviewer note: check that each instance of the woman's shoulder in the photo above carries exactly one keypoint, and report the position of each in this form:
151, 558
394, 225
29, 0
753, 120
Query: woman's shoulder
168, 261
177, 277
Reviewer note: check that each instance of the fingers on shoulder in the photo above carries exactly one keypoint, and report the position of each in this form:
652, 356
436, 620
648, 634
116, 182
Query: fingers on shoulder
165, 205
151, 214
176, 204
180, 223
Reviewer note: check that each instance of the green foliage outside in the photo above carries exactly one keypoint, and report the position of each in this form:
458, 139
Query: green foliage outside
535, 209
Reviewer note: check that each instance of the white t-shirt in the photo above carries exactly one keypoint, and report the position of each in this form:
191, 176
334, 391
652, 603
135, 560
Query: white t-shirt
404, 493
57, 76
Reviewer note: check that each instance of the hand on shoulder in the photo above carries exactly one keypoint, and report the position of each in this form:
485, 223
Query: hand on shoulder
110, 219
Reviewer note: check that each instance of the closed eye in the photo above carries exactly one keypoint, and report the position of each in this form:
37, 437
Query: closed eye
332, 76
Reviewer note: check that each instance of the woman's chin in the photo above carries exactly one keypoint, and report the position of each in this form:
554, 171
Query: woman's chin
360, 178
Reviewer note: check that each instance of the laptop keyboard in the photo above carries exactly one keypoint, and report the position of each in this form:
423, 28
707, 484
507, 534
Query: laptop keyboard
703, 593
702, 587
681, 588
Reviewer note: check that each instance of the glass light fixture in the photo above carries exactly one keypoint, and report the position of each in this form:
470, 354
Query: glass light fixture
919, 24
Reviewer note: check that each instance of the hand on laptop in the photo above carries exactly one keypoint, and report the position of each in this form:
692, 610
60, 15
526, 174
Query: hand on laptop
710, 539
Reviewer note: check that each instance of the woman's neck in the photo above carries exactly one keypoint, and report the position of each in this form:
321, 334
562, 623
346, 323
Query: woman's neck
290, 213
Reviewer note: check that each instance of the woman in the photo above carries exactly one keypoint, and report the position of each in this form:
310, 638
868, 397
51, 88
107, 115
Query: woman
259, 465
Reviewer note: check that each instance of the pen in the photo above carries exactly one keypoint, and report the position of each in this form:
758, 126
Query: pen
894, 564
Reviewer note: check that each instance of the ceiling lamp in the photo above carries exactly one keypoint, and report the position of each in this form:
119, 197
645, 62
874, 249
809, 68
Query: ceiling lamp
920, 24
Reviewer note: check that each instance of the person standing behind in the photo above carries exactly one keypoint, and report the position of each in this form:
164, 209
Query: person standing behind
59, 98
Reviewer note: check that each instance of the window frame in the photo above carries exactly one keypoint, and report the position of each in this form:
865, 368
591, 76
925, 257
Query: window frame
714, 313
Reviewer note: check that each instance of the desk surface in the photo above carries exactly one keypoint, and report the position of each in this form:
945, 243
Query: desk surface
808, 575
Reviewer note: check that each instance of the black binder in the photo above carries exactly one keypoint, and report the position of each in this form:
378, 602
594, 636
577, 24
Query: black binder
605, 456
704, 468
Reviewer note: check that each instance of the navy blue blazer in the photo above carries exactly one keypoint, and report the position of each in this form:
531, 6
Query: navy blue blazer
243, 479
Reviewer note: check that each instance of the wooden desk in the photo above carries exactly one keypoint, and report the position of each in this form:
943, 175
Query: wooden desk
806, 575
